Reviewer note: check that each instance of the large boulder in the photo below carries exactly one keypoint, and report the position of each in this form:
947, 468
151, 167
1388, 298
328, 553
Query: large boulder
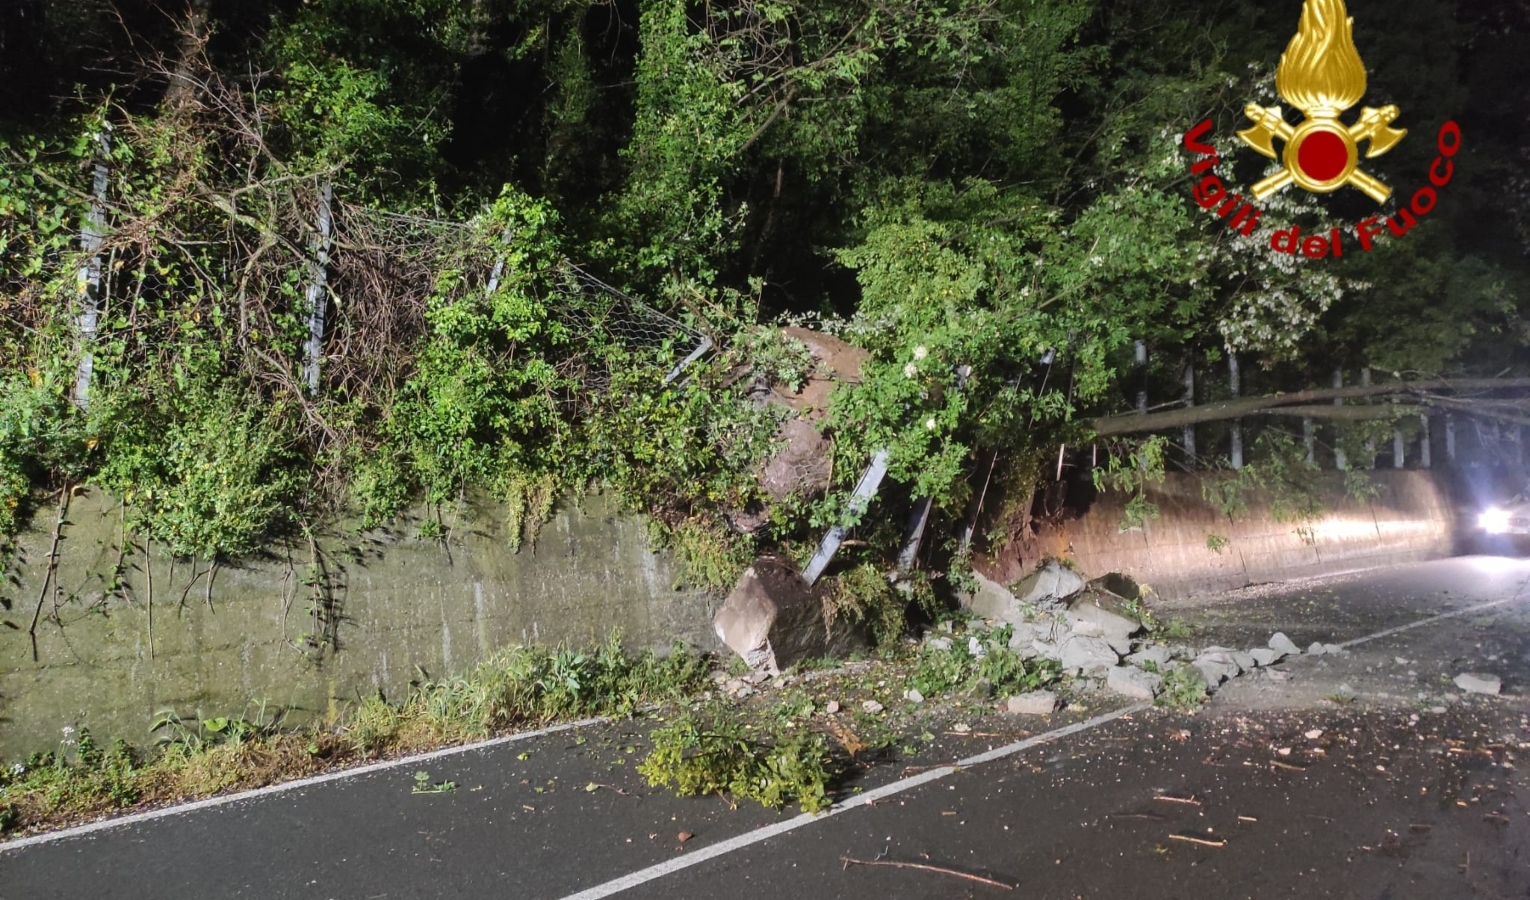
1103, 613
1130, 681
1092, 656
773, 619
994, 601
1048, 586
801, 466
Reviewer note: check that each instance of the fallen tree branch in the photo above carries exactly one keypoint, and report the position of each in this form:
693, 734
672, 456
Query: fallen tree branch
1135, 423
849, 861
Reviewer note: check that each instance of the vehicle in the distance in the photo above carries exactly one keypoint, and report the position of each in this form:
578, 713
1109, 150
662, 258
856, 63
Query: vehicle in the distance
1512, 517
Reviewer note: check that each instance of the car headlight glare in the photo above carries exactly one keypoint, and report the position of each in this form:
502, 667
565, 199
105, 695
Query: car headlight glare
1494, 521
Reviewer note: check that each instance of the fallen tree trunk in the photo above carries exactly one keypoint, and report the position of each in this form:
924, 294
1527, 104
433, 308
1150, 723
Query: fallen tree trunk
1136, 423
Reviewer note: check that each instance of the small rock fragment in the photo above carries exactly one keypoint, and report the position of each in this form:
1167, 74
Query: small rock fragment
1284, 645
1314, 734
1035, 703
832, 707
1157, 654
1130, 681
961, 728
1475, 683
872, 707
912, 695
939, 643
976, 648
1090, 654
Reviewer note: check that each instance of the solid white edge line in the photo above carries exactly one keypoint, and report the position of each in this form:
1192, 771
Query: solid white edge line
226, 799
697, 857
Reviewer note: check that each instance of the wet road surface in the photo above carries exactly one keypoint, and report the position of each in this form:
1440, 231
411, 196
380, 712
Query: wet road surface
1363, 774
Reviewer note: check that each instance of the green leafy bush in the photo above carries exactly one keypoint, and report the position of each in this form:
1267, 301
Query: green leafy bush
713, 753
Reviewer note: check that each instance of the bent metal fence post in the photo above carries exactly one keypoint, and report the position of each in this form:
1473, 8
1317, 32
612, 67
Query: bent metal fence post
864, 491
318, 292
92, 236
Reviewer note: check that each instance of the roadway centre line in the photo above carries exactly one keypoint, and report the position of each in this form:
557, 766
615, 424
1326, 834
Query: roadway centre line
227, 799
642, 876
1454, 614
697, 857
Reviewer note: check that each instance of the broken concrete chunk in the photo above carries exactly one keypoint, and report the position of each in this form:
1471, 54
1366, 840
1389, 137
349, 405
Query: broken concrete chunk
1263, 656
1046, 650
1035, 703
1157, 654
1091, 655
1212, 673
1049, 585
1245, 661
1022, 636
1084, 628
1130, 681
1474, 683
975, 648
773, 619
938, 643
1284, 645
992, 600
1320, 649
1104, 611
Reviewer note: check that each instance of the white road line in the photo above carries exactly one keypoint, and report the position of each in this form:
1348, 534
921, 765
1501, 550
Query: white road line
697, 857
227, 799
1454, 614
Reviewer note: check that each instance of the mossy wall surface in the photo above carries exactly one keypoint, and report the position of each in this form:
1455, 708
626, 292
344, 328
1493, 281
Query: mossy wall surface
309, 627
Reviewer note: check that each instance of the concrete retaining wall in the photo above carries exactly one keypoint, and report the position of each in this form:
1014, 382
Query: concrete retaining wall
1412, 519
379, 609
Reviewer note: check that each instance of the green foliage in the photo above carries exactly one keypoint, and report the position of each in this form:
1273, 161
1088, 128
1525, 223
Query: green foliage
530, 685
710, 752
1183, 689
945, 670
423, 785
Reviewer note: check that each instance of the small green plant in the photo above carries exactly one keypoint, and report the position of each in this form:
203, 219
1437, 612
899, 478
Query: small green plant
1183, 689
1216, 543
1178, 629
710, 752
423, 785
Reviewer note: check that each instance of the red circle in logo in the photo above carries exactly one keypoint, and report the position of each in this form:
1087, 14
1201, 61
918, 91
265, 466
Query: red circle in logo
1323, 156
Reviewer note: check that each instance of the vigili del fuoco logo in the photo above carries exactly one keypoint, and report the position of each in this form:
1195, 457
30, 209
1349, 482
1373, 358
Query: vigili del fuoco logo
1322, 76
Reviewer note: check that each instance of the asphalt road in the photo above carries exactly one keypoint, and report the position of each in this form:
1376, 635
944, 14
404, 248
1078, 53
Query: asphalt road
1283, 787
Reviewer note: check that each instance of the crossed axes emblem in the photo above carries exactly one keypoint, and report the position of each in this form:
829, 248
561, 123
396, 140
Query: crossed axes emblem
1312, 157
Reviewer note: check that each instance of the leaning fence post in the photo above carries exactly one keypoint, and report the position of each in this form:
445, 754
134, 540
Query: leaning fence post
92, 237
1235, 383
864, 491
1425, 454
1370, 442
1190, 404
1339, 461
1450, 439
1309, 439
1399, 451
317, 293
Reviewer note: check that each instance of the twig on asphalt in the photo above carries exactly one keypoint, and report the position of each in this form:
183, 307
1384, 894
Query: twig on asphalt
1191, 801
1280, 765
1152, 817
847, 862
1189, 839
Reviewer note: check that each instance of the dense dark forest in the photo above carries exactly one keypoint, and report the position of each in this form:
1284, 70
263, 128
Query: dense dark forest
267, 260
